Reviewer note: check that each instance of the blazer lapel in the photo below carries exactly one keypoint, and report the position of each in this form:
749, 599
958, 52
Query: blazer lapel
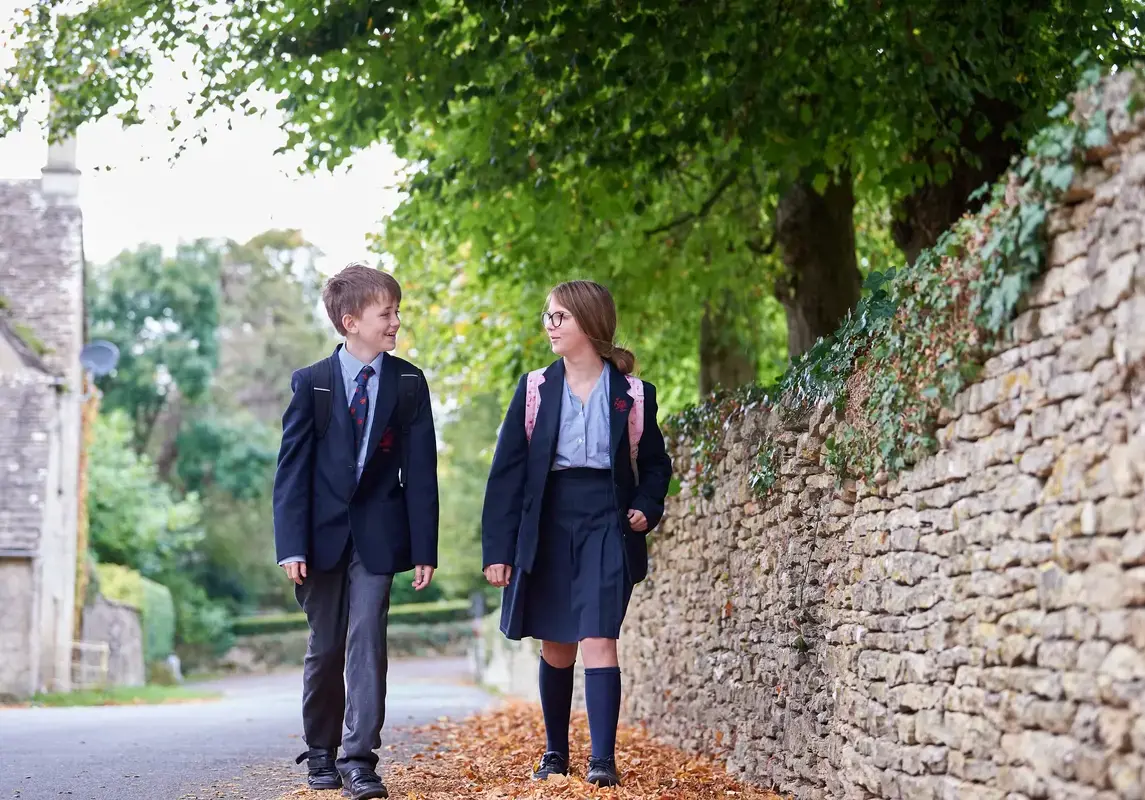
341, 404
387, 401
619, 405
552, 392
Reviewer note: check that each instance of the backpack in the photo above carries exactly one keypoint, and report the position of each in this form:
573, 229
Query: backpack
635, 416
322, 381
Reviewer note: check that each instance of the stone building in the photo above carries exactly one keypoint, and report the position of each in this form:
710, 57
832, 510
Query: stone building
41, 393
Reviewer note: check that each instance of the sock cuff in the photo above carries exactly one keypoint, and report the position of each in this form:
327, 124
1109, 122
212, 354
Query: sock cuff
601, 671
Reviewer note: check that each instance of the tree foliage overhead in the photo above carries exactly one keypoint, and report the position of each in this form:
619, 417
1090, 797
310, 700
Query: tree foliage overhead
694, 156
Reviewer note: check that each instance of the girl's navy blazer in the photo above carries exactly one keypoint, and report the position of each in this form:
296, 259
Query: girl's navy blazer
510, 519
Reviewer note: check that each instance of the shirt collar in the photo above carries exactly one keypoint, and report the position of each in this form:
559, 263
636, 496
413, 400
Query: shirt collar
352, 366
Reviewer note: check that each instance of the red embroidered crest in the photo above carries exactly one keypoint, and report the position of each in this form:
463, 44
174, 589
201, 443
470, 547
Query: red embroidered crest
620, 404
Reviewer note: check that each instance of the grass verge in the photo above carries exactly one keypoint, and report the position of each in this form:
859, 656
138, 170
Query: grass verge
123, 696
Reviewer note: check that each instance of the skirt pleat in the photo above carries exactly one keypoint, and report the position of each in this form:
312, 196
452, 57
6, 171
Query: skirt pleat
578, 587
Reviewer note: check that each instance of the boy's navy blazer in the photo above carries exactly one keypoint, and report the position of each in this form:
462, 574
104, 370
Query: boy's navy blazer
318, 504
510, 519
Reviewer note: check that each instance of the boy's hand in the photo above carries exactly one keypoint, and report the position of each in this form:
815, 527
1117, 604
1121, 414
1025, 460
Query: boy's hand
498, 574
637, 521
295, 570
421, 577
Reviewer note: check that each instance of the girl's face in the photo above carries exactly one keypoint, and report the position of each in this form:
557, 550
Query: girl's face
565, 335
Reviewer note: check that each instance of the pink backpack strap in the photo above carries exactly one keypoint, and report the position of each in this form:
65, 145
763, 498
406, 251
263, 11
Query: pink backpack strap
635, 417
532, 400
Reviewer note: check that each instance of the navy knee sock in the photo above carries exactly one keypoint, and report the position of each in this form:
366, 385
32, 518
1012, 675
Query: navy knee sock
556, 686
602, 697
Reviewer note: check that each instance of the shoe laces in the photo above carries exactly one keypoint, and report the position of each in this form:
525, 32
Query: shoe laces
552, 759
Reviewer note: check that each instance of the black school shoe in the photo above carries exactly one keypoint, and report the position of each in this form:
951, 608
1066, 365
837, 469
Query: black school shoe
602, 772
362, 783
552, 763
321, 773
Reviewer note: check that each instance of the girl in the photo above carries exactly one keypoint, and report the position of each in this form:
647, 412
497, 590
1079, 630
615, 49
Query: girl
578, 479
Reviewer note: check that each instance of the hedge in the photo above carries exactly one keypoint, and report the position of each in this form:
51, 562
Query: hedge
152, 600
405, 614
158, 617
120, 584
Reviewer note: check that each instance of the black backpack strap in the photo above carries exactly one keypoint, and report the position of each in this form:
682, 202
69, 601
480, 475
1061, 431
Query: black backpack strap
409, 381
322, 383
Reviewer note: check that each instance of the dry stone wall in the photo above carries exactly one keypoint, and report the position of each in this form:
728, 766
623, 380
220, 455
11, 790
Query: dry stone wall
974, 628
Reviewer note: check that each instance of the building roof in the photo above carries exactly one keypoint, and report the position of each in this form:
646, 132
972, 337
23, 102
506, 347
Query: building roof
41, 271
41, 333
20, 348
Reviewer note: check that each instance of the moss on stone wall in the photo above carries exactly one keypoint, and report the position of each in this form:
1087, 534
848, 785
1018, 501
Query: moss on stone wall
29, 338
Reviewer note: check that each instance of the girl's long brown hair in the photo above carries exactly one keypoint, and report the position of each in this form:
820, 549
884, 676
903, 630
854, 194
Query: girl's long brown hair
595, 311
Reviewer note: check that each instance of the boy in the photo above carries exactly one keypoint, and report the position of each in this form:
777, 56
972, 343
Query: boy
355, 502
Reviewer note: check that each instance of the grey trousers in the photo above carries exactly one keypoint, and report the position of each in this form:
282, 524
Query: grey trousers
344, 675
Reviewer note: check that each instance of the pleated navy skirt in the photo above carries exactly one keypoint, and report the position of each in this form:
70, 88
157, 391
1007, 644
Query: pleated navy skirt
578, 587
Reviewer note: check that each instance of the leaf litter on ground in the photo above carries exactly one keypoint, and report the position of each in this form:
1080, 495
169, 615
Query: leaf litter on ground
491, 757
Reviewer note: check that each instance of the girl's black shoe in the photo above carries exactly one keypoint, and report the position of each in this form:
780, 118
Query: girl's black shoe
552, 763
602, 772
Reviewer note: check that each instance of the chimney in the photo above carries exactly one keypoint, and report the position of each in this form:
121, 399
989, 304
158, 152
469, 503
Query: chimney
59, 177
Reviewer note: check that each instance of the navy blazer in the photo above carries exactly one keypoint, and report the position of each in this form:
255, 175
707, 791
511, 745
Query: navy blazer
511, 515
318, 504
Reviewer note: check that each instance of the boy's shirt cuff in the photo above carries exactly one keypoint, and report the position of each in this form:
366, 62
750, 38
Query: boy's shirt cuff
291, 560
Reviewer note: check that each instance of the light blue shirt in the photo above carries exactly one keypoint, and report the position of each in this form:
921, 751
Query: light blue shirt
585, 433
351, 366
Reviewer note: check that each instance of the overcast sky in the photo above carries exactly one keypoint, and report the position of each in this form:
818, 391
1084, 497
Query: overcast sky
232, 186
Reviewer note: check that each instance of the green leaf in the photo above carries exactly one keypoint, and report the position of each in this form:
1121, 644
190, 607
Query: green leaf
1096, 130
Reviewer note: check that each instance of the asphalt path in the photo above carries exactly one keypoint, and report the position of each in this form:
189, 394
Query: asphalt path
239, 746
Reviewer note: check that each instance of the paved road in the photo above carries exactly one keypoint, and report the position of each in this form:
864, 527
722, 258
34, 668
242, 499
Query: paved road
237, 746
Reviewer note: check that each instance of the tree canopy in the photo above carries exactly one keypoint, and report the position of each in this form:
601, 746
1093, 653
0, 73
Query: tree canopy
725, 167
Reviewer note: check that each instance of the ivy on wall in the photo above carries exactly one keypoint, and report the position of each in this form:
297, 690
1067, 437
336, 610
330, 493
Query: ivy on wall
919, 335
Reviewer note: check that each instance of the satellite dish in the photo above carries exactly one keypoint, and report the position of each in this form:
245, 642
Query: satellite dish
99, 357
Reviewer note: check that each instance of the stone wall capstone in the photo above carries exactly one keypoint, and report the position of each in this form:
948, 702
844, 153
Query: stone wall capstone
974, 628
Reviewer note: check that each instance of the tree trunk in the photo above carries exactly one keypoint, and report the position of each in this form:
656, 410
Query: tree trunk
816, 236
922, 216
167, 433
724, 359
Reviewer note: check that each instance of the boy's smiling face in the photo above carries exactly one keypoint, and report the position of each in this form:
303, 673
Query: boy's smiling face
376, 328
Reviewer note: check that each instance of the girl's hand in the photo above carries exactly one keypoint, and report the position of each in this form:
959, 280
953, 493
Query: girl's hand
498, 574
423, 574
637, 521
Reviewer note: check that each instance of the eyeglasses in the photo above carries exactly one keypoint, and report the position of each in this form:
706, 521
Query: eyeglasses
555, 318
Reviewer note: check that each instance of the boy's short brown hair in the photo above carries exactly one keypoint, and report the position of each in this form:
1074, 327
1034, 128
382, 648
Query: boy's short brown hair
354, 288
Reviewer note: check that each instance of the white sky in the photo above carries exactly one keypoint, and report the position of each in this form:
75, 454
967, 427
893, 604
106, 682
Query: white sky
232, 186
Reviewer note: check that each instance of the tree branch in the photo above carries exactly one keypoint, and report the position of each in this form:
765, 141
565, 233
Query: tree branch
759, 248
702, 212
